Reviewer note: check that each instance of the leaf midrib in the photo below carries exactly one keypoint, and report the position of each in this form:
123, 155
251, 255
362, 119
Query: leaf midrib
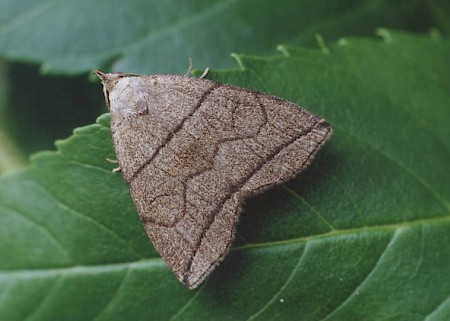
158, 262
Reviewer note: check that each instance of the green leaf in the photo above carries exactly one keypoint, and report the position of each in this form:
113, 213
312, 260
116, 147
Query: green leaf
159, 36
363, 234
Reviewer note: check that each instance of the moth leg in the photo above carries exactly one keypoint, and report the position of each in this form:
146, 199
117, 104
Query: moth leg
114, 161
188, 71
205, 73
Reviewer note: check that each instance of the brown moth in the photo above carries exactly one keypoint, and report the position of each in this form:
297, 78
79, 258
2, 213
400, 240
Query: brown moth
191, 150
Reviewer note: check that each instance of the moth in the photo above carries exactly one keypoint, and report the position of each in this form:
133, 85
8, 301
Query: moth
191, 150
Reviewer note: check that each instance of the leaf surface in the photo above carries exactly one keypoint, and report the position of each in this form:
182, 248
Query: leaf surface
158, 36
362, 234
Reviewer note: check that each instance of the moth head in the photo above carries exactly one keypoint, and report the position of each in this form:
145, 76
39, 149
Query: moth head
109, 80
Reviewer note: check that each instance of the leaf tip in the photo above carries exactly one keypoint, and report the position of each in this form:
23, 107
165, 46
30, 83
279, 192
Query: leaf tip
103, 120
385, 34
322, 45
284, 50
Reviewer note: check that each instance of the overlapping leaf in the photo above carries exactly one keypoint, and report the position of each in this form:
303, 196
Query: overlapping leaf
157, 36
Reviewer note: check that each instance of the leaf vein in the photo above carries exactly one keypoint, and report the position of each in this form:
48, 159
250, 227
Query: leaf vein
5, 290
319, 215
113, 297
187, 304
41, 227
42, 7
366, 279
442, 305
45, 298
402, 166
87, 218
284, 286
151, 261
174, 26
